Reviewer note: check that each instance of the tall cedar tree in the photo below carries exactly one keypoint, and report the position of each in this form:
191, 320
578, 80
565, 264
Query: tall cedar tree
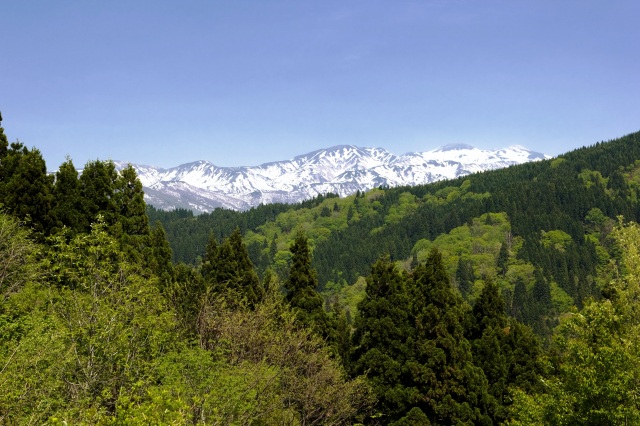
158, 254
25, 187
97, 183
465, 276
451, 389
379, 340
506, 350
301, 287
130, 208
67, 208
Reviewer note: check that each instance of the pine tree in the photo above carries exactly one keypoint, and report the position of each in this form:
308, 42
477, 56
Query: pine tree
489, 310
521, 308
273, 249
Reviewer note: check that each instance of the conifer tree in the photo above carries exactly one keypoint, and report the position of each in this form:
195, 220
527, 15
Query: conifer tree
380, 336
541, 290
130, 207
503, 258
26, 188
67, 208
465, 276
228, 270
301, 289
4, 142
506, 350
158, 254
97, 185
452, 390
209, 259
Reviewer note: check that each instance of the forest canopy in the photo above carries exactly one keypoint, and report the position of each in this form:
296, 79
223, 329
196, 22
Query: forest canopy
507, 297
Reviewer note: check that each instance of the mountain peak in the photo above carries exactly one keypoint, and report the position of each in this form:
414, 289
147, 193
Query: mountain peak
341, 169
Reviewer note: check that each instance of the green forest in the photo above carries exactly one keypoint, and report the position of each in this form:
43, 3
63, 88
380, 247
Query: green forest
506, 297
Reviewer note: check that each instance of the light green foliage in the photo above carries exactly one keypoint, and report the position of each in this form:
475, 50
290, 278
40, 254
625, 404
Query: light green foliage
590, 178
407, 204
479, 242
451, 194
557, 162
276, 371
32, 350
559, 240
562, 302
96, 335
17, 260
351, 295
596, 367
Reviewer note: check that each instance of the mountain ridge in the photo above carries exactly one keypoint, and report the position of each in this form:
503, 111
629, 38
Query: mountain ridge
202, 186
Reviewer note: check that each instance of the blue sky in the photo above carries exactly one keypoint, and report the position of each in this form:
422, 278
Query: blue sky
245, 82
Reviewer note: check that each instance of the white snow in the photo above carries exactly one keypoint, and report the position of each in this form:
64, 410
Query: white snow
344, 169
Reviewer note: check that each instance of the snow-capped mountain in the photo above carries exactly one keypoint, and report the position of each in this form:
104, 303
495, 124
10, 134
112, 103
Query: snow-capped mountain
201, 186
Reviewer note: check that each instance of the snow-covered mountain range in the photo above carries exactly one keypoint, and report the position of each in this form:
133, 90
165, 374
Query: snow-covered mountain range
201, 186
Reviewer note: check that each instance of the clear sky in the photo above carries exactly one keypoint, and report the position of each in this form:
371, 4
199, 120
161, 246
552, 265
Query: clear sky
246, 82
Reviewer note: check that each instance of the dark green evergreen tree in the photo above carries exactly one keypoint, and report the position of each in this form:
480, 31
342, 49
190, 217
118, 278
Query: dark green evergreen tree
130, 208
186, 293
209, 259
541, 290
465, 276
26, 188
301, 289
158, 254
503, 258
4, 142
273, 249
342, 334
450, 388
97, 186
67, 207
505, 349
380, 339
229, 271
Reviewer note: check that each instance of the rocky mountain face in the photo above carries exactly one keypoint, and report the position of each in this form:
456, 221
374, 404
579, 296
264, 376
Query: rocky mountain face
201, 186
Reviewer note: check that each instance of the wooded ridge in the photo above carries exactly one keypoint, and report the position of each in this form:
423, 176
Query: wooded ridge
505, 297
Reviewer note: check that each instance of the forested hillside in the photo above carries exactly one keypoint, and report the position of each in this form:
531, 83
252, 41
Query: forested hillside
555, 219
508, 297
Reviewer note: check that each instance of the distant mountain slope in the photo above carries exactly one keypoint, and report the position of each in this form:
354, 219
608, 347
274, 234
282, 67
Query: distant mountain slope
201, 186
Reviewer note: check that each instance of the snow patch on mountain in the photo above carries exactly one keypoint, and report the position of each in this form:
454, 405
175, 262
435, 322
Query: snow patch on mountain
201, 186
